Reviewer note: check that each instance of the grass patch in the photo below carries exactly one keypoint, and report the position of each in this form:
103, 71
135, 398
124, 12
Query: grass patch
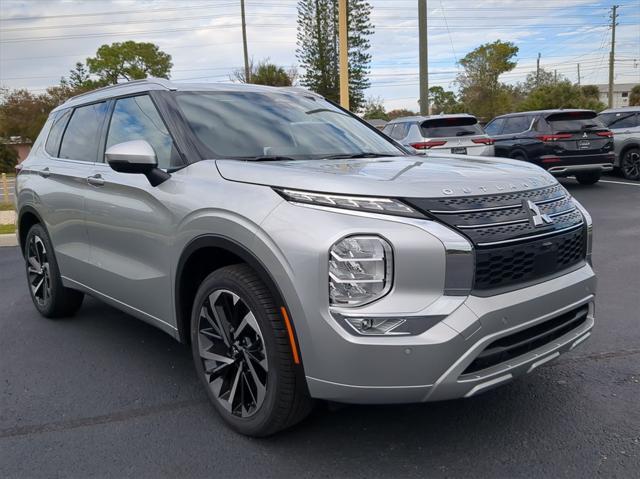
7, 229
6, 207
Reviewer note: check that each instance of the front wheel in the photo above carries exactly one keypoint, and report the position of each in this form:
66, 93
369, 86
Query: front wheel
590, 178
243, 355
50, 297
630, 164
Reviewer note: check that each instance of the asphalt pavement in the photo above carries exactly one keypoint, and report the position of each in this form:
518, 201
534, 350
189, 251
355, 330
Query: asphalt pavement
105, 395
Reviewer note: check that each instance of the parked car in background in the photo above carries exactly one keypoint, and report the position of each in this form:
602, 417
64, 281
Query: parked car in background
459, 134
563, 142
625, 125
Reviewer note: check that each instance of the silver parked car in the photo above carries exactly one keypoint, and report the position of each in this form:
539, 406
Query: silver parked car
459, 134
625, 125
301, 253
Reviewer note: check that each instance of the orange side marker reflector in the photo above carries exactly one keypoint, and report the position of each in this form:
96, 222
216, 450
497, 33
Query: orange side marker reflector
292, 339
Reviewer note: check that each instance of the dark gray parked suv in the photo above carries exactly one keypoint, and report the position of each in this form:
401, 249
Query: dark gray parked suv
300, 252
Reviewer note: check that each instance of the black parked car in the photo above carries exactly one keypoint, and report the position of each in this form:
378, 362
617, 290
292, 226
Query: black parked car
563, 142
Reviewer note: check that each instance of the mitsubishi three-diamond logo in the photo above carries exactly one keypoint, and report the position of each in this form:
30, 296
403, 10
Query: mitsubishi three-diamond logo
537, 218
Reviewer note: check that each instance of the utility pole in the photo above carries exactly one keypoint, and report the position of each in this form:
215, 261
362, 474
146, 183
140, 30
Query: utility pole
247, 70
423, 52
555, 76
614, 17
538, 71
578, 74
344, 53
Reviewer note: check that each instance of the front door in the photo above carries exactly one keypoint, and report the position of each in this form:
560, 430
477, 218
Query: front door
130, 223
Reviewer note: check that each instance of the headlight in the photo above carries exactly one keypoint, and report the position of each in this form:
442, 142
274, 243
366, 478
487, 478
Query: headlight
388, 206
360, 270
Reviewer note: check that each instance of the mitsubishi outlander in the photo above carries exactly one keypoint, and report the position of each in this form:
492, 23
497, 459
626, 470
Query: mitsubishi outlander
301, 254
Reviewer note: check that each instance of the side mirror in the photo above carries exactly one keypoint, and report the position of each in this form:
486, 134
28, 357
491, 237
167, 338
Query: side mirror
136, 156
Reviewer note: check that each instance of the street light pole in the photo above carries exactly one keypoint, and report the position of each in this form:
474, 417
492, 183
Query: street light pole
247, 70
344, 53
424, 57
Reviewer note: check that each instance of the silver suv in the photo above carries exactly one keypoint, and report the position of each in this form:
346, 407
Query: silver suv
301, 253
459, 134
625, 125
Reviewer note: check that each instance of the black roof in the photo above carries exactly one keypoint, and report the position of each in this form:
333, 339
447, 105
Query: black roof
543, 112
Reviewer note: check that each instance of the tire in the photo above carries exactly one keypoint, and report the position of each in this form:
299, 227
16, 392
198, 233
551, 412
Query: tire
49, 296
519, 156
630, 164
239, 337
590, 178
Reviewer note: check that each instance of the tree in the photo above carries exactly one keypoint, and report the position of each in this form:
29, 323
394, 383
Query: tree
23, 113
129, 61
374, 110
267, 73
318, 49
8, 158
398, 112
634, 96
563, 94
480, 87
444, 101
535, 80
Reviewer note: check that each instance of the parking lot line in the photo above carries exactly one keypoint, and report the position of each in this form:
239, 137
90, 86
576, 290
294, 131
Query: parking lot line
620, 183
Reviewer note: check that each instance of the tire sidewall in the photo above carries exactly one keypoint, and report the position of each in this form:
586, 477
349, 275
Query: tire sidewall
258, 421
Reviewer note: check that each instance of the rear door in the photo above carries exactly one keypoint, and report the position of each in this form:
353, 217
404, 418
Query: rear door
511, 141
72, 148
129, 222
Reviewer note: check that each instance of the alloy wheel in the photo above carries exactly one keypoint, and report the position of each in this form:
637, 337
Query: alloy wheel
631, 165
38, 270
233, 353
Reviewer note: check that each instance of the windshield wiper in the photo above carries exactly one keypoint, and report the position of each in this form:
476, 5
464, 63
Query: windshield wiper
364, 154
263, 158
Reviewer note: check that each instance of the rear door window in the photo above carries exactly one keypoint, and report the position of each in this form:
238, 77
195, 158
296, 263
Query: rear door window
573, 121
495, 127
516, 124
450, 127
52, 146
81, 138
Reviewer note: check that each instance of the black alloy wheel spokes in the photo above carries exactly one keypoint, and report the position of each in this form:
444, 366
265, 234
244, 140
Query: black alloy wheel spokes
233, 353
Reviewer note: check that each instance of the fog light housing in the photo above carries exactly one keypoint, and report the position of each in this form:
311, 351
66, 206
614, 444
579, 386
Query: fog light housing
360, 270
375, 326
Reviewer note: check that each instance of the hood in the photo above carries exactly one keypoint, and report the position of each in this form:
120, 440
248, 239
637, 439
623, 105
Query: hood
407, 176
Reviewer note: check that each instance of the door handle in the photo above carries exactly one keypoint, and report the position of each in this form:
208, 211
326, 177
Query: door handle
45, 173
96, 180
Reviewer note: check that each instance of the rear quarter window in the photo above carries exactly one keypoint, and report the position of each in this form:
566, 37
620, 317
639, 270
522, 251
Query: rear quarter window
60, 119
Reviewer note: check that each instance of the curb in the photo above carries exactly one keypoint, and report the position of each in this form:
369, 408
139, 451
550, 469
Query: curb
8, 240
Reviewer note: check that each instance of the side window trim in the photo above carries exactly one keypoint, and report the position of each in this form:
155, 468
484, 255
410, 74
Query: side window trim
58, 116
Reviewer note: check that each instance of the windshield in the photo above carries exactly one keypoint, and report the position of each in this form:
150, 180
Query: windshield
450, 126
277, 125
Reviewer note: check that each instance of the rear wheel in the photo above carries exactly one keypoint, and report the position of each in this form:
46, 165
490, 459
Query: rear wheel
630, 164
49, 296
588, 178
242, 354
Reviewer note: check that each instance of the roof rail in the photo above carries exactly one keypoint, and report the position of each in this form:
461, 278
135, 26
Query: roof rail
151, 80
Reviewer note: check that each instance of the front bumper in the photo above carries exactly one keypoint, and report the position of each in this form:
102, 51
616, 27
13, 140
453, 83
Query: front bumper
430, 366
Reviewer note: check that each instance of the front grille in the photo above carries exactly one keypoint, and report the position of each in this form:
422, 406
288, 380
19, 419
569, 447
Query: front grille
517, 344
496, 267
510, 249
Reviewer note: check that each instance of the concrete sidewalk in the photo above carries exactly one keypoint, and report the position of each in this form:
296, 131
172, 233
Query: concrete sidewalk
8, 240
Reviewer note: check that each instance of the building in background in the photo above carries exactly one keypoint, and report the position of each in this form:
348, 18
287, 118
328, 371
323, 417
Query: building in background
621, 94
21, 145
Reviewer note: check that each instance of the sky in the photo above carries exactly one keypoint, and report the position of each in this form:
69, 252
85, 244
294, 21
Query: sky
41, 40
